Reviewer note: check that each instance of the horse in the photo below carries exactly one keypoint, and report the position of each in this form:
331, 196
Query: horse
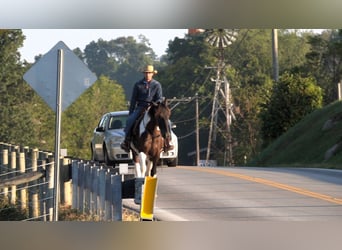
148, 137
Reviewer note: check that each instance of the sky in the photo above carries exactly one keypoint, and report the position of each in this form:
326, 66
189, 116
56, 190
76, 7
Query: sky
40, 41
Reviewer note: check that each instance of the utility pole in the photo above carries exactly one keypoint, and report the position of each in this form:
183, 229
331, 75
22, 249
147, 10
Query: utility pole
275, 54
179, 101
197, 132
228, 121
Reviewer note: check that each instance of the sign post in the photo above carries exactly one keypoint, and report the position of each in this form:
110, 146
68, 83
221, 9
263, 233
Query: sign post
58, 131
59, 88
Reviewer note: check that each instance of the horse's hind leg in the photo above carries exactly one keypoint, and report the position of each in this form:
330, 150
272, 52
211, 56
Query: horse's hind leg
137, 170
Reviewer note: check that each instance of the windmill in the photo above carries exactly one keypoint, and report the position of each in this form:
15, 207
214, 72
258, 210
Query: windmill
220, 38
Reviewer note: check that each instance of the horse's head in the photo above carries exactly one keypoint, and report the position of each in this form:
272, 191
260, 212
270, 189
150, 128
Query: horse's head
161, 110
160, 113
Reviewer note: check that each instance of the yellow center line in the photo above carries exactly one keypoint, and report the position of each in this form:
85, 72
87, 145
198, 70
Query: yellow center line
267, 182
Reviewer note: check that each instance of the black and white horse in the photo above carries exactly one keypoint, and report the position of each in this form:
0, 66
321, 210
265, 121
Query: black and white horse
148, 140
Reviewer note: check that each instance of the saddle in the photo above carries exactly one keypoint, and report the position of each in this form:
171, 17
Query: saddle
135, 127
163, 130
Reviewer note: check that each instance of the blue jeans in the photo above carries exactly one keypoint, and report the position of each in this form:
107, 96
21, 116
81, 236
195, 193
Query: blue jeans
131, 119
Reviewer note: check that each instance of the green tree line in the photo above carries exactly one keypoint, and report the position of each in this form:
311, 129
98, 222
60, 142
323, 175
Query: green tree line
309, 63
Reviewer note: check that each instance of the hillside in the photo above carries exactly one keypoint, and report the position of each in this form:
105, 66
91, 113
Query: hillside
316, 141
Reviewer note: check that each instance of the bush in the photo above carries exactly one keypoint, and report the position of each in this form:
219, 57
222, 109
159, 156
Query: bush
10, 212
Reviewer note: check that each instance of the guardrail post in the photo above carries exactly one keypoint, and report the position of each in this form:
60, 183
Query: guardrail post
108, 197
116, 184
75, 184
94, 172
81, 186
101, 193
139, 182
87, 187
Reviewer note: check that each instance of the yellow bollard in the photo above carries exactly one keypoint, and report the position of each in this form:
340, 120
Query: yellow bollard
148, 197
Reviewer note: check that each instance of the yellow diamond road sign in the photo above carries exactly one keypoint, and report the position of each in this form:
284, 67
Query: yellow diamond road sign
42, 77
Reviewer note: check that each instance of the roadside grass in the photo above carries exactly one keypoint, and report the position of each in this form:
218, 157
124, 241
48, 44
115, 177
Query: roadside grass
68, 214
306, 144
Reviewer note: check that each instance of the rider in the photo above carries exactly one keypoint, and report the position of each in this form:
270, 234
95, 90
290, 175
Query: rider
145, 91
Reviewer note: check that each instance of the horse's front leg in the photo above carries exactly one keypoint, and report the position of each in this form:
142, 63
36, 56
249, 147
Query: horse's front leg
137, 167
149, 168
154, 168
142, 160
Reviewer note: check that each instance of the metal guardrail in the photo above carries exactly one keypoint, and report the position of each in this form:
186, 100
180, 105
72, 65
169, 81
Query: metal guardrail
27, 181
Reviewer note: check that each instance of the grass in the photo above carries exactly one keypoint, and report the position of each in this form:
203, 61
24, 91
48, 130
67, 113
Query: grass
306, 144
66, 213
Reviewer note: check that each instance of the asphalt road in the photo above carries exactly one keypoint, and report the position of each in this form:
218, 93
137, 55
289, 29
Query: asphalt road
247, 194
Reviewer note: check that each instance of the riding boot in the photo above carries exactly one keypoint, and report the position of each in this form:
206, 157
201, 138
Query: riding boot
125, 144
168, 144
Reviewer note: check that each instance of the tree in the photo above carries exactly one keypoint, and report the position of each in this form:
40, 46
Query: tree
43, 119
292, 98
292, 48
80, 119
249, 75
251, 57
16, 125
119, 59
324, 62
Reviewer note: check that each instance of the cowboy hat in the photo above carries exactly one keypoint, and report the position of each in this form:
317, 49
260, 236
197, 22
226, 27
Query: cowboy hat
149, 68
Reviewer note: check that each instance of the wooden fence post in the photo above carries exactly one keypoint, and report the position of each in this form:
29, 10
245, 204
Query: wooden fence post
23, 187
33, 195
4, 161
66, 193
43, 191
4, 170
50, 190
13, 169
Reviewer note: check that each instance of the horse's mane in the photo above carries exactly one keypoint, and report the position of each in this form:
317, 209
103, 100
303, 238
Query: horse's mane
160, 110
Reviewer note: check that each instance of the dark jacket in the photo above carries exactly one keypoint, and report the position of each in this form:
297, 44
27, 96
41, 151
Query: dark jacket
145, 93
